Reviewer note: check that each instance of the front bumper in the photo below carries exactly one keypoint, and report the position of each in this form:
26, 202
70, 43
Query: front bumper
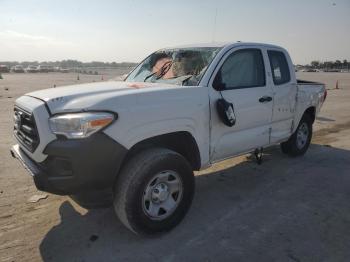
27, 163
75, 166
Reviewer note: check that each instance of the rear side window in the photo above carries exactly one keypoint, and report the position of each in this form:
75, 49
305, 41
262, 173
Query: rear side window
279, 67
242, 69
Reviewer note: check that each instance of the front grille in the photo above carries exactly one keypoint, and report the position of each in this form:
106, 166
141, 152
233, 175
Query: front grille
25, 129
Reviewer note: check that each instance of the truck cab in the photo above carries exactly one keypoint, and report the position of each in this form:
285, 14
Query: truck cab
182, 109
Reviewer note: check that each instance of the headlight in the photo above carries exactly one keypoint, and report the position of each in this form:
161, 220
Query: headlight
80, 125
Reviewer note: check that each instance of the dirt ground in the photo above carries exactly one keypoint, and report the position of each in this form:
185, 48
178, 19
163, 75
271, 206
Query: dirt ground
283, 210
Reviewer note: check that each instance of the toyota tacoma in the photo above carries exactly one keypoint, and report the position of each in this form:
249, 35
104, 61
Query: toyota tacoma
138, 141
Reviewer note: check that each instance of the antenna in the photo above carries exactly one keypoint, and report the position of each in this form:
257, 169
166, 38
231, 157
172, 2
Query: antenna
214, 27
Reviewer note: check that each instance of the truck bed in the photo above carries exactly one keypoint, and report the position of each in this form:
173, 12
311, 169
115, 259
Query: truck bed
304, 82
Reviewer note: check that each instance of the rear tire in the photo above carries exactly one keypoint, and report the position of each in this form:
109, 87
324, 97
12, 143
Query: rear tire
154, 191
299, 142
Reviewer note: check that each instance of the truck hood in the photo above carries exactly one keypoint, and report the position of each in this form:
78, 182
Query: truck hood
93, 95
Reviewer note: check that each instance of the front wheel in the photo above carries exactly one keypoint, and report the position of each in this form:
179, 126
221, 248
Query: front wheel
299, 142
154, 191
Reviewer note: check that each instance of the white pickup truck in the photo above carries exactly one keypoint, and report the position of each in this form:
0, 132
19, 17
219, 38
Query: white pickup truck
181, 109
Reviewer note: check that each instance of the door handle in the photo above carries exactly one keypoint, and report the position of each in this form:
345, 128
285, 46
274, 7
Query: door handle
265, 99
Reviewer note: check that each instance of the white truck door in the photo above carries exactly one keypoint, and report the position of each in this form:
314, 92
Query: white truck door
284, 94
242, 76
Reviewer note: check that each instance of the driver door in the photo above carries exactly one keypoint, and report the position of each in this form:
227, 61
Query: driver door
242, 81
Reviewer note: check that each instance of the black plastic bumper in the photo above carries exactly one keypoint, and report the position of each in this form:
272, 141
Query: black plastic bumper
75, 166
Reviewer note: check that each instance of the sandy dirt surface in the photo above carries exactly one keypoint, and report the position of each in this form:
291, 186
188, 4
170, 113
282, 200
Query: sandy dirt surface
287, 209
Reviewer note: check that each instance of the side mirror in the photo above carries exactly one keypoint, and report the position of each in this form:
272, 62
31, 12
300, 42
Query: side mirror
218, 85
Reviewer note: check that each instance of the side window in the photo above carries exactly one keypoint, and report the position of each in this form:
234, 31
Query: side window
279, 67
242, 69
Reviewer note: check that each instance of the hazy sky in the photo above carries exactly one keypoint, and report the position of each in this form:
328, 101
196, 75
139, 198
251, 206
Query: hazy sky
129, 30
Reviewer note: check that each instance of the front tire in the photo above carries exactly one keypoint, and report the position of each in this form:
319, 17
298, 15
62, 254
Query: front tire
154, 191
299, 142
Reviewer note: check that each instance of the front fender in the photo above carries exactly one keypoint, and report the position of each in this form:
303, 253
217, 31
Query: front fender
141, 132
148, 130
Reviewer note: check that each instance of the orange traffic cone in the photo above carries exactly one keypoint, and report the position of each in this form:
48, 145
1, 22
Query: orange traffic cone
336, 85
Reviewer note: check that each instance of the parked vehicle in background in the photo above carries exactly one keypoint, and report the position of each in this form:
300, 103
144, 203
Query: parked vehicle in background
4, 69
43, 69
181, 109
50, 68
32, 69
310, 70
331, 70
64, 70
17, 69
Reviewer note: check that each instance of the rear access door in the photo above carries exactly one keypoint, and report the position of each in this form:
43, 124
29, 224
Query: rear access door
284, 94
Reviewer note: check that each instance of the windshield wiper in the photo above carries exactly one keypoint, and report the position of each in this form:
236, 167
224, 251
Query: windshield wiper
163, 70
144, 80
186, 79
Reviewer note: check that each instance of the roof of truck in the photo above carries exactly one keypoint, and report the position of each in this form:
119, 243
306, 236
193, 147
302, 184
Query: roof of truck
223, 44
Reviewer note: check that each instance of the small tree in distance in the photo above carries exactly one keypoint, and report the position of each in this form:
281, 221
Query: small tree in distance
315, 64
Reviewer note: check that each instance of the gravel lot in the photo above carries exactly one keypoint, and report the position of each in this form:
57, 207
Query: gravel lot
283, 210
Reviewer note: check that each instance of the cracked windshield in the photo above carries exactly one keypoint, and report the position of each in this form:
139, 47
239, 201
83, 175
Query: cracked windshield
184, 66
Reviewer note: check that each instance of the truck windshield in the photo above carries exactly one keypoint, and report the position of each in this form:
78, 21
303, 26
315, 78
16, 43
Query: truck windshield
180, 66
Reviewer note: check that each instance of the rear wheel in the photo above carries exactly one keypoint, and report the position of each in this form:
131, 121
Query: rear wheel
154, 191
299, 142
